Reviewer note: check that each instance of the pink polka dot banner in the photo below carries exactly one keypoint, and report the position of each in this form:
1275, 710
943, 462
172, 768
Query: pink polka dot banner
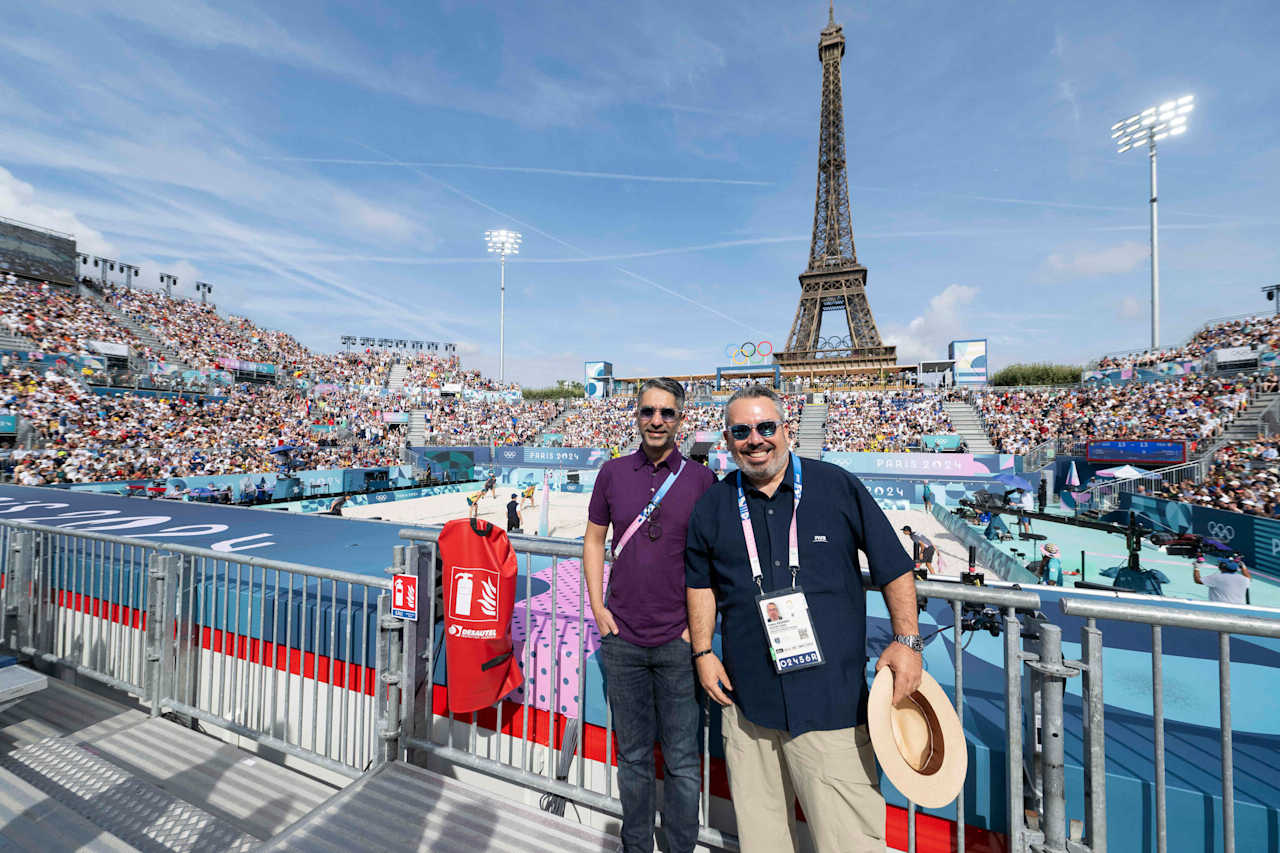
535, 632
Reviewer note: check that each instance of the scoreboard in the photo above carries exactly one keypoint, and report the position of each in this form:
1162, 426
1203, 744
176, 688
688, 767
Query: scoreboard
1137, 452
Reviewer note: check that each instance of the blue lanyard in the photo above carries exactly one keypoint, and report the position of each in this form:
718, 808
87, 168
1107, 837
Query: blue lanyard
793, 542
648, 510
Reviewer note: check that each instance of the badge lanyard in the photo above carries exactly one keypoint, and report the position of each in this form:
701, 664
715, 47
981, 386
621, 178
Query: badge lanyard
648, 510
793, 541
784, 615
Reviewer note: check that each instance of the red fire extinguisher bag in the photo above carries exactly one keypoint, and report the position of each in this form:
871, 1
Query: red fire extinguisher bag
479, 597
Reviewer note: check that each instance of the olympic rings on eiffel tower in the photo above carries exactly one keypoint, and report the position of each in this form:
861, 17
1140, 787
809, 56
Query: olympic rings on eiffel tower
748, 352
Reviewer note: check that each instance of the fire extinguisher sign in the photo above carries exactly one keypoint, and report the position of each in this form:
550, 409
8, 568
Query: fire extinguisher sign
404, 597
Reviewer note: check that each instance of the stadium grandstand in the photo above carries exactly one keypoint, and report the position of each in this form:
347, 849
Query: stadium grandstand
188, 414
397, 637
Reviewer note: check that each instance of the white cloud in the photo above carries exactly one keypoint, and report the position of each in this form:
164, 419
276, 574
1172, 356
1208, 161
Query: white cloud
18, 201
380, 220
1130, 309
943, 321
1113, 260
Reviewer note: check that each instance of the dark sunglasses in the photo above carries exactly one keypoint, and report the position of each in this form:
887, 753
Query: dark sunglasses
646, 413
654, 528
741, 432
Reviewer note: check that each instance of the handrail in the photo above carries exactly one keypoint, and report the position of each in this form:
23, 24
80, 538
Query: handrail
221, 556
457, 741
1170, 617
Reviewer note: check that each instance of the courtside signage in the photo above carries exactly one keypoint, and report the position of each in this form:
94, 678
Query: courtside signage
404, 597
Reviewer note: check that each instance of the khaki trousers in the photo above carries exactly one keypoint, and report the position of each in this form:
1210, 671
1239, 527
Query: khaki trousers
833, 773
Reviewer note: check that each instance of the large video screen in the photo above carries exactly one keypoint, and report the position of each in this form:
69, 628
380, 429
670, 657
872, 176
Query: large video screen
37, 254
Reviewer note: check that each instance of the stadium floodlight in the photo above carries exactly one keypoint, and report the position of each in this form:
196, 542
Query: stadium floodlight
169, 281
204, 288
104, 264
1147, 128
502, 243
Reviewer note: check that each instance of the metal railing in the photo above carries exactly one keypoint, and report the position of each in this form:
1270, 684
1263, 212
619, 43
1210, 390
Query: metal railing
1106, 496
310, 662
302, 660
1041, 455
552, 760
1159, 618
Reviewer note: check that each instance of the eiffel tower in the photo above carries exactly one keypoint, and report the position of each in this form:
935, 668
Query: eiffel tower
835, 281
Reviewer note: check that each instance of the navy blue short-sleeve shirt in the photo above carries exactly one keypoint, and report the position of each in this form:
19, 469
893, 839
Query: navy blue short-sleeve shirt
837, 518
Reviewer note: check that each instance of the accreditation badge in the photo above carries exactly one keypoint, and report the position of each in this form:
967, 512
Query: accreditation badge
793, 644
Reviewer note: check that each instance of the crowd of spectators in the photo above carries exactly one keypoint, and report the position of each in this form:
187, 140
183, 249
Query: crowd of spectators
1262, 333
1244, 477
87, 437
611, 422
1191, 408
458, 421
330, 407
333, 407
884, 422
55, 319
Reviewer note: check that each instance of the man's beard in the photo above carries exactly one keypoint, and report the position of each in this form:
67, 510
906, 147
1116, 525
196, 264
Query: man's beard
762, 471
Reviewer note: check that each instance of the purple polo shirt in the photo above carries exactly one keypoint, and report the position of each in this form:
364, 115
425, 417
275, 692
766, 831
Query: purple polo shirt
646, 592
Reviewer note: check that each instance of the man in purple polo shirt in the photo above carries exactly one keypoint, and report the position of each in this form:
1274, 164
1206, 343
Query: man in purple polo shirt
644, 646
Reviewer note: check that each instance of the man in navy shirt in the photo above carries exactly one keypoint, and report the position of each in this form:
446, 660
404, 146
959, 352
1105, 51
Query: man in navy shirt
800, 732
644, 645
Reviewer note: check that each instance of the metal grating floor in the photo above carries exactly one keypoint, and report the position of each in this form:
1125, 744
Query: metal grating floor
403, 807
132, 810
79, 771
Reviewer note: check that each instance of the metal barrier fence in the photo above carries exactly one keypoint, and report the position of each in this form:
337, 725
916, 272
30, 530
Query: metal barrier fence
1106, 496
1159, 618
536, 753
300, 659
310, 662
1041, 455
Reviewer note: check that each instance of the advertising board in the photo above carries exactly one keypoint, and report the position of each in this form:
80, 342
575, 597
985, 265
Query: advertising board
970, 359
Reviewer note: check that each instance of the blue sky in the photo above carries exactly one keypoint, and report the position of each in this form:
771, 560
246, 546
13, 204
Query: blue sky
332, 166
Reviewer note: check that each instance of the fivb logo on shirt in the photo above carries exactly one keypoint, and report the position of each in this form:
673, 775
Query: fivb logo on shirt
475, 595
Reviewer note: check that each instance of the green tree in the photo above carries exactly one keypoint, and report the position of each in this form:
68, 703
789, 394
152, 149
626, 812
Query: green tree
563, 389
1037, 374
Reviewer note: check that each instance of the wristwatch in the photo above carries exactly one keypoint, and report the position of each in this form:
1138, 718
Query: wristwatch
911, 641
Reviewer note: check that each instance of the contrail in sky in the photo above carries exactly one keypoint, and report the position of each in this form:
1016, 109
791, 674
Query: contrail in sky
535, 229
426, 260
533, 170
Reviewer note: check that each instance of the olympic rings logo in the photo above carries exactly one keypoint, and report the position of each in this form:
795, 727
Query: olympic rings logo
749, 352
1225, 532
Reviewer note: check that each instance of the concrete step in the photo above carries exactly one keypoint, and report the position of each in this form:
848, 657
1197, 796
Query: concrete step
812, 432
968, 424
141, 330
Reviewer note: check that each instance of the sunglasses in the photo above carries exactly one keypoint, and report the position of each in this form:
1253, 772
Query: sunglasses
646, 413
654, 528
741, 432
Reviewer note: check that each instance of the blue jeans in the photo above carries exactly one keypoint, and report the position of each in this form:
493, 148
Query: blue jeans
651, 692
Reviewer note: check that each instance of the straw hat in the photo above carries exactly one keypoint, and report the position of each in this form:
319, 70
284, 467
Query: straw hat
919, 742
1049, 550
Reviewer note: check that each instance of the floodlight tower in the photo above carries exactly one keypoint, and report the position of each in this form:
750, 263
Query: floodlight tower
1150, 126
169, 281
204, 288
502, 243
